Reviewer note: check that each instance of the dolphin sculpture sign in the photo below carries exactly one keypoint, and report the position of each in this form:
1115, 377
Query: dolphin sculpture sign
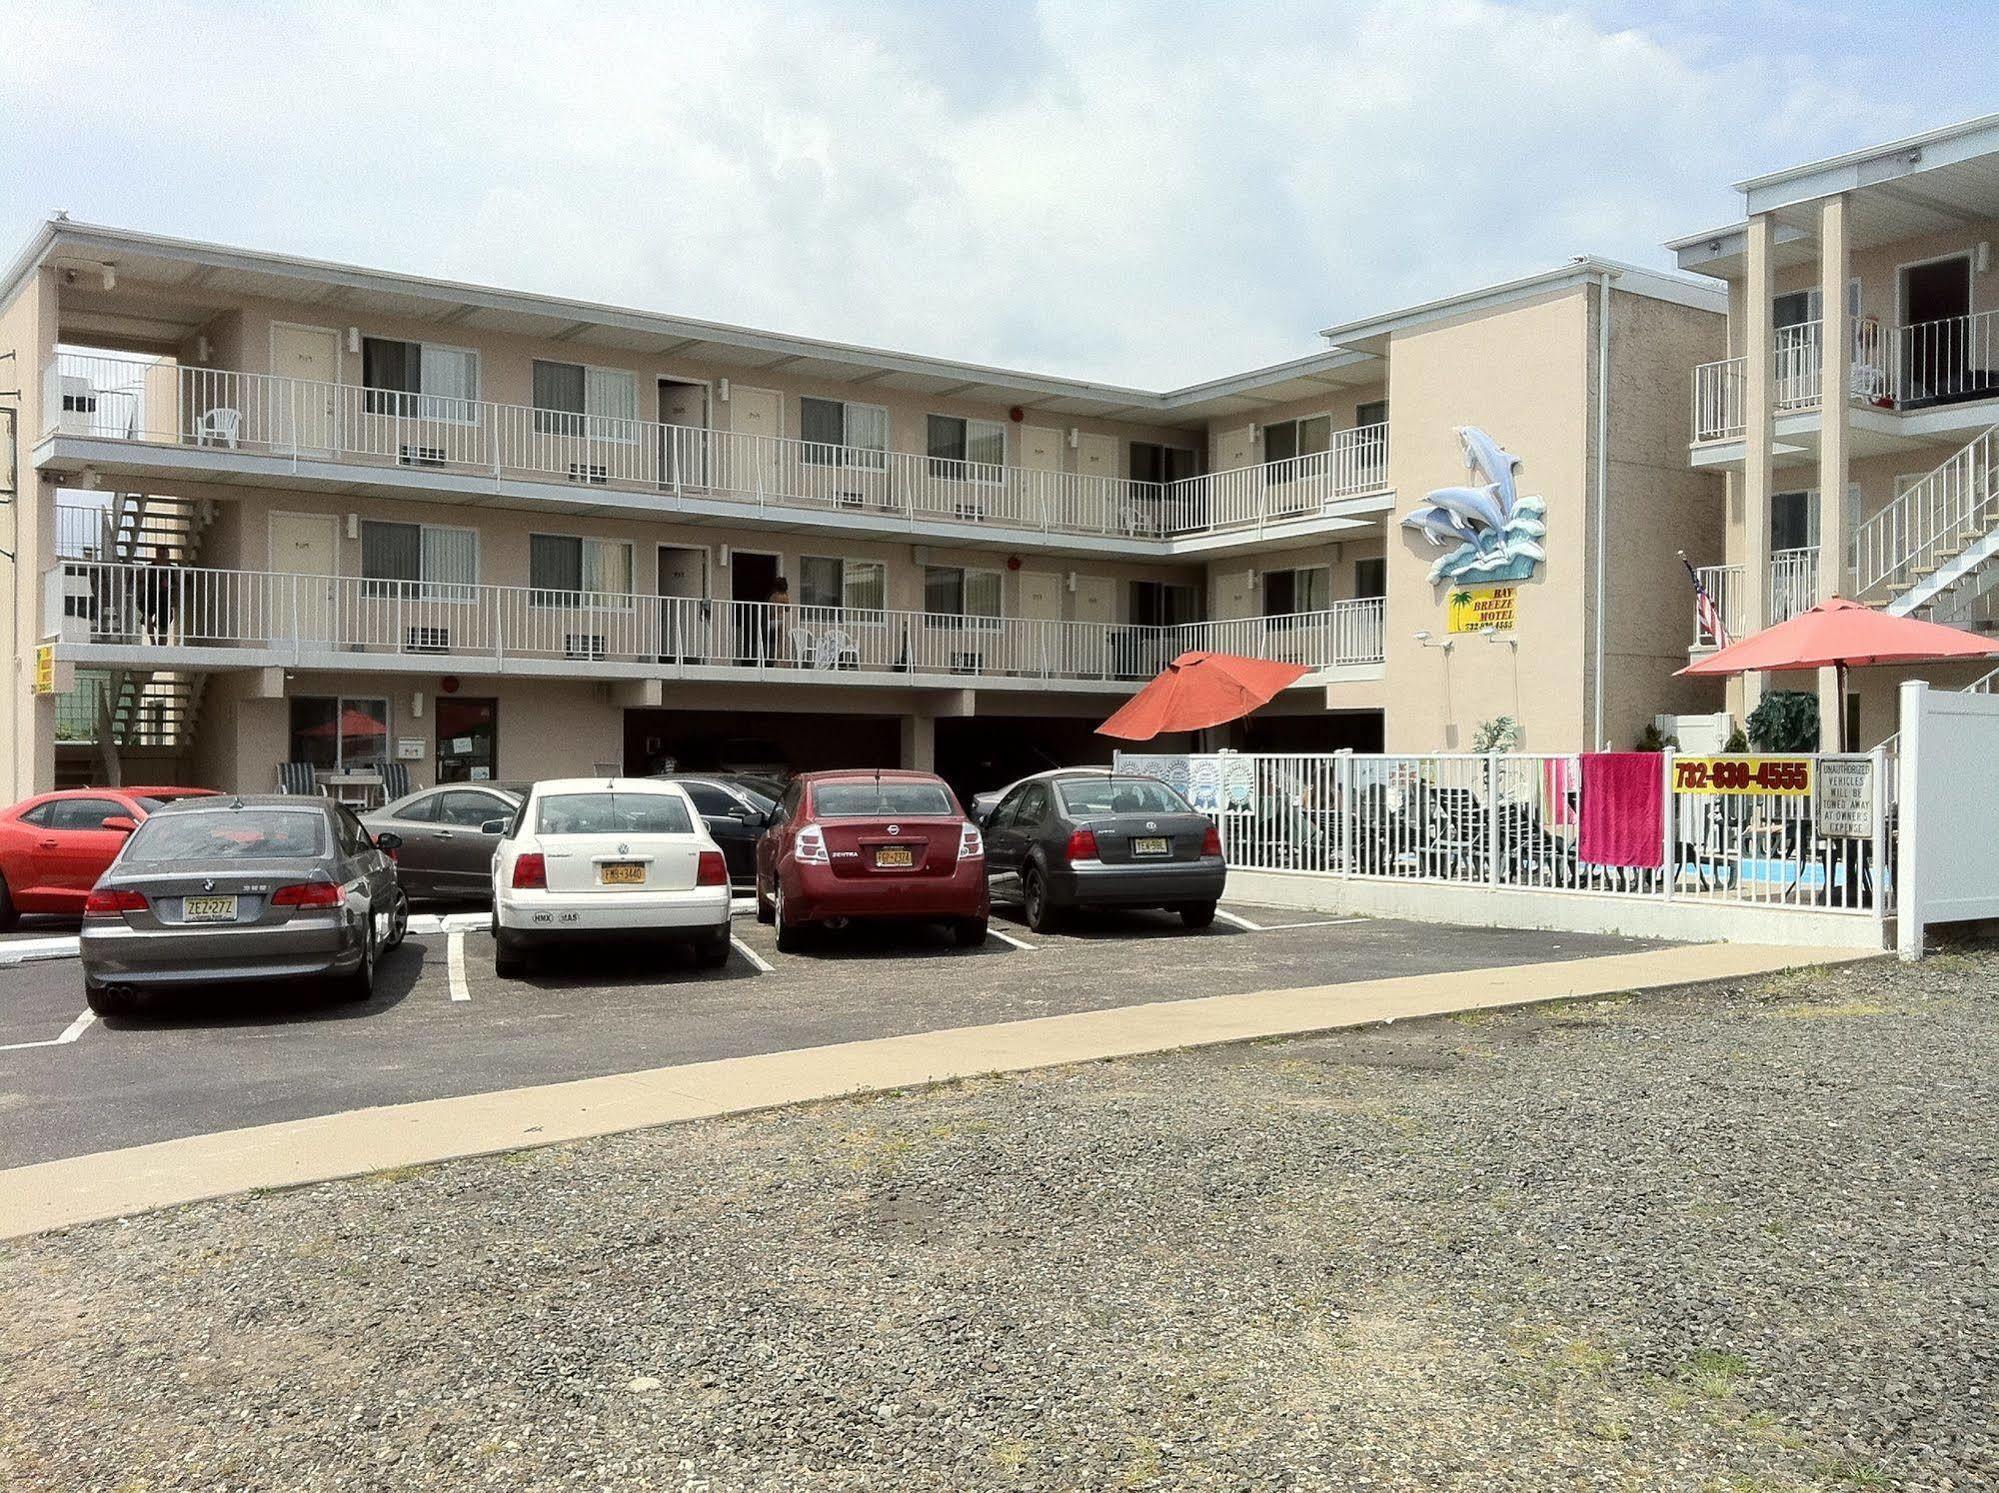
1493, 533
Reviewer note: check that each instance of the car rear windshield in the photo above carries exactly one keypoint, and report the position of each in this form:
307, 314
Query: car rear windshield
230, 835
1119, 796
612, 814
879, 800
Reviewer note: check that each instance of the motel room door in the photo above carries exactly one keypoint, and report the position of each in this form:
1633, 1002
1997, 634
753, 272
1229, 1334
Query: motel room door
1096, 607
683, 411
683, 604
301, 419
756, 419
1098, 505
306, 546
1041, 455
1041, 617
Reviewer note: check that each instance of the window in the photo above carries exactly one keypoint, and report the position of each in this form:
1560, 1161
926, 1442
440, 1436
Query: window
468, 809
613, 814
1114, 795
232, 835
564, 570
970, 598
426, 560
84, 813
876, 798
572, 399
967, 450
41, 814
853, 585
420, 380
1794, 521
1370, 412
1370, 578
1289, 592
1160, 464
1287, 440
1033, 806
468, 739
421, 810
340, 733
838, 434
1163, 604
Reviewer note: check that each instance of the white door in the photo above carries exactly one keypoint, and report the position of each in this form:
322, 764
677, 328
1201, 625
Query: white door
297, 408
756, 420
1041, 621
1100, 502
1235, 448
306, 546
683, 607
1096, 609
683, 410
1041, 464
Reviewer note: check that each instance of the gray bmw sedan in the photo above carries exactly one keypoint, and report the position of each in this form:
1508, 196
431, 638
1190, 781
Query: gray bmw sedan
220, 890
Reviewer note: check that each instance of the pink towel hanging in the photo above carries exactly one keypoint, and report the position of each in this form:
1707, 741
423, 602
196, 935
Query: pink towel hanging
1621, 815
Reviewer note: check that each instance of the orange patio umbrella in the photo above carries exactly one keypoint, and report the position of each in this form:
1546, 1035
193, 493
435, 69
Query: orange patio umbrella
1198, 690
1838, 634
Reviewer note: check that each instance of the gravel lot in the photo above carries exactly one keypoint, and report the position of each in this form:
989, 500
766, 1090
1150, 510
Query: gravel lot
1724, 1239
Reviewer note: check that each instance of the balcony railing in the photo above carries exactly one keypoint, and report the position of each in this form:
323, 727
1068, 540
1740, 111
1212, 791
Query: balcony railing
1793, 588
310, 615
110, 397
1908, 367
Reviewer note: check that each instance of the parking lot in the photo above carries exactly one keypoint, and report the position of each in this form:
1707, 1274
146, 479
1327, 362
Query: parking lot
441, 1023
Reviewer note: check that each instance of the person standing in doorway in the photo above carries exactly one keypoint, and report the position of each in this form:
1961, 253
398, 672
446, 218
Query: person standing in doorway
777, 620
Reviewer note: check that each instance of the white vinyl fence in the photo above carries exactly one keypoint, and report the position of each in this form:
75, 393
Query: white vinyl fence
1804, 831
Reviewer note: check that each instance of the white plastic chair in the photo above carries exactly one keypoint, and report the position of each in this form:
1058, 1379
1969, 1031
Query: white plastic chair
219, 424
835, 650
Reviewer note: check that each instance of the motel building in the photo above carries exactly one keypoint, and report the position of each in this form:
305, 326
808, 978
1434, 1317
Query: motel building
273, 512
1855, 418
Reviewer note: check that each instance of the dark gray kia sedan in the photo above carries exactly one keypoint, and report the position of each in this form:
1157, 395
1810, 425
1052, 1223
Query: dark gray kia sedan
1092, 837
221, 890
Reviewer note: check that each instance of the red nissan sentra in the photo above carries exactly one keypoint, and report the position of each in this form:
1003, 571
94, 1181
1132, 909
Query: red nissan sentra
871, 845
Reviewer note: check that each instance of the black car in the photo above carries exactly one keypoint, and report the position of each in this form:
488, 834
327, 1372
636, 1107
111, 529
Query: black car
736, 807
446, 851
1093, 837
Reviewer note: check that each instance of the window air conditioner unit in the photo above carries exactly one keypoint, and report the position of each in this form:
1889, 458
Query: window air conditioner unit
588, 645
851, 499
428, 640
592, 472
420, 456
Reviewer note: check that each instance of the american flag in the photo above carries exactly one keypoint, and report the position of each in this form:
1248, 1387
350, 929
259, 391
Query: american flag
1705, 609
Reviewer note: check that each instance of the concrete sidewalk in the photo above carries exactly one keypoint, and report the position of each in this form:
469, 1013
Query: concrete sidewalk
112, 1184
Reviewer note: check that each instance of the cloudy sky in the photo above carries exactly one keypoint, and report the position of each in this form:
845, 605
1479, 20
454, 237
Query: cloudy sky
1148, 193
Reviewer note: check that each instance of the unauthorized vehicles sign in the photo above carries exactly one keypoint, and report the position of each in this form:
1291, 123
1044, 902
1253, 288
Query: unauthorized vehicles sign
1844, 805
1786, 775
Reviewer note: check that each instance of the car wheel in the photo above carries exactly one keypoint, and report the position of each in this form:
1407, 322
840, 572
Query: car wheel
1034, 901
765, 912
360, 985
399, 919
970, 932
713, 952
1197, 914
105, 1001
9, 913
508, 959
790, 935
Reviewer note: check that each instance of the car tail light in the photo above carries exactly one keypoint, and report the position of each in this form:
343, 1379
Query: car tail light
713, 870
1211, 841
111, 904
971, 844
810, 847
1082, 846
530, 872
307, 894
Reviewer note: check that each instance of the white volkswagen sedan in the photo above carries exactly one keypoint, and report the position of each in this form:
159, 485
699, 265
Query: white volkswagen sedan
589, 859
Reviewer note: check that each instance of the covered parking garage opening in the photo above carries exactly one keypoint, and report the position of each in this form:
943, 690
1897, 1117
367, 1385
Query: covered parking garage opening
976, 753
766, 741
1318, 731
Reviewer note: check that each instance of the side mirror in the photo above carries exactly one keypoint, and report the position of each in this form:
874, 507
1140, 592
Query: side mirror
388, 840
493, 827
123, 823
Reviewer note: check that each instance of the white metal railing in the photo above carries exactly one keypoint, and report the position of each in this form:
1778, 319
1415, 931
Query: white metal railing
1741, 830
1793, 587
111, 397
188, 606
1912, 367
1930, 523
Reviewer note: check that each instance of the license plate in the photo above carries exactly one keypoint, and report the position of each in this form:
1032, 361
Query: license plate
208, 909
622, 873
1157, 845
894, 858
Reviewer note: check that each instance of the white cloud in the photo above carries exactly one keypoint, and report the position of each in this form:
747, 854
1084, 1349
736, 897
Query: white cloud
1135, 192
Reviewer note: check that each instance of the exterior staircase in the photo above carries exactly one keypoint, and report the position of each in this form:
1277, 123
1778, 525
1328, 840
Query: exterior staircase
1934, 551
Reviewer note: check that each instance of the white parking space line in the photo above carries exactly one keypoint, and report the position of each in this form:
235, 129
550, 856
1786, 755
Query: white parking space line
762, 966
1229, 917
69, 1034
433, 922
1009, 938
454, 960
1314, 923
25, 950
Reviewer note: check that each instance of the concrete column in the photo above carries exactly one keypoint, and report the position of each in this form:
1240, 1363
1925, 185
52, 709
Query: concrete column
1759, 440
1835, 420
919, 743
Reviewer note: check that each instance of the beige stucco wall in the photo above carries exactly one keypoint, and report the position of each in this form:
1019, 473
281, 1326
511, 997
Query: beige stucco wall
27, 724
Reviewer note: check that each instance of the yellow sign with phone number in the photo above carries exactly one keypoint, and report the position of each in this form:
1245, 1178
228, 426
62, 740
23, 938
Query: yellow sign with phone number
1791, 776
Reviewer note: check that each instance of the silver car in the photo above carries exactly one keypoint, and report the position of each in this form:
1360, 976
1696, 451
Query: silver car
447, 846
219, 890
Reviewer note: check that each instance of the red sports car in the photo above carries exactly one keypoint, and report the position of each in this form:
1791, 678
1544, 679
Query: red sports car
850, 845
54, 846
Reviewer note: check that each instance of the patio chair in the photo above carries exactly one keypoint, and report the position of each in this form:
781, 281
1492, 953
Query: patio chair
298, 777
835, 650
219, 425
396, 781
